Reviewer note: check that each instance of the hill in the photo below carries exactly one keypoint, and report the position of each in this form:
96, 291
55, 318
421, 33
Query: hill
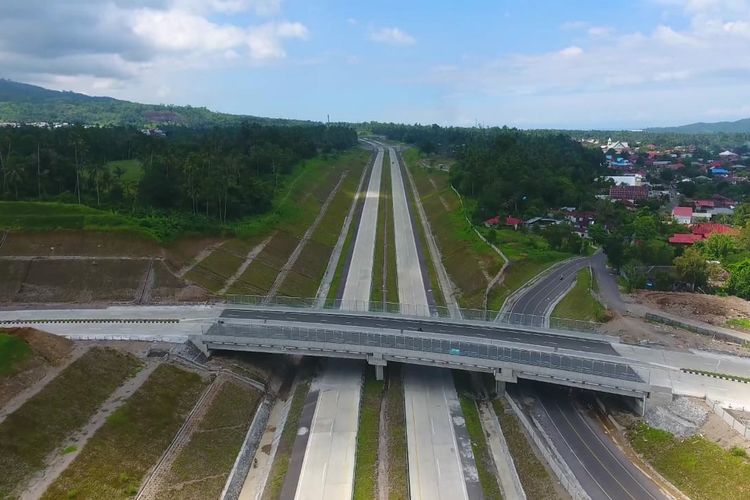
735, 127
24, 103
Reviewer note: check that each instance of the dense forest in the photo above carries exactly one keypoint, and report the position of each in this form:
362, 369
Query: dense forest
510, 171
221, 173
23, 103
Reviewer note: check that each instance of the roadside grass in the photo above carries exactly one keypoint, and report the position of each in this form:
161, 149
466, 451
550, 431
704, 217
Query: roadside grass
482, 456
368, 437
536, 481
699, 468
13, 351
337, 282
468, 261
72, 242
203, 465
64, 405
118, 456
280, 464
579, 303
395, 435
741, 323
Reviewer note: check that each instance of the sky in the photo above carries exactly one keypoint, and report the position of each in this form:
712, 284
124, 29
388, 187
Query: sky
523, 63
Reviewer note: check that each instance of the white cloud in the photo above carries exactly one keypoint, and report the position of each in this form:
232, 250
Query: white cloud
265, 41
600, 31
571, 51
392, 36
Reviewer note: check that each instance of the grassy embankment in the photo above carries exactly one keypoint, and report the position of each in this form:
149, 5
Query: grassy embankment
579, 303
293, 214
395, 435
64, 405
203, 465
13, 351
482, 455
467, 259
368, 436
470, 262
283, 455
699, 468
115, 460
385, 245
536, 481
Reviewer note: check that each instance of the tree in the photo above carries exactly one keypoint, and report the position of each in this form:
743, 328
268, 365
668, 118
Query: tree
692, 268
739, 281
717, 246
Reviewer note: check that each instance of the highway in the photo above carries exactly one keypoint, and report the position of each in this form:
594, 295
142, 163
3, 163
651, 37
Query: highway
487, 331
437, 469
601, 468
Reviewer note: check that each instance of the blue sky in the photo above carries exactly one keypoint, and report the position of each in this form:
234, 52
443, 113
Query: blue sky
531, 64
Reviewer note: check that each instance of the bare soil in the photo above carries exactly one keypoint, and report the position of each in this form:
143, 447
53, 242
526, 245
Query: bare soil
707, 308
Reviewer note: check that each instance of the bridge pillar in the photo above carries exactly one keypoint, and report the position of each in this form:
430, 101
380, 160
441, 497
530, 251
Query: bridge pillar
379, 363
502, 377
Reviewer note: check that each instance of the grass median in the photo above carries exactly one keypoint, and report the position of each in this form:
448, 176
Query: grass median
579, 303
396, 445
65, 404
115, 460
368, 437
535, 479
699, 468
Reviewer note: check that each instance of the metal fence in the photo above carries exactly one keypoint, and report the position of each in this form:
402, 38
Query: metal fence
529, 320
427, 344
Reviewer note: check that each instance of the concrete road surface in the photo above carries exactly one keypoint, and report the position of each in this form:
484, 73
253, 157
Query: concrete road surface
435, 470
328, 467
359, 278
436, 464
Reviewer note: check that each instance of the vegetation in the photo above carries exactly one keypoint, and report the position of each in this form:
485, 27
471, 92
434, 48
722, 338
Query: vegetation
13, 350
368, 437
115, 460
579, 303
395, 435
65, 404
203, 465
743, 323
384, 259
482, 456
286, 442
536, 481
698, 467
23, 103
189, 178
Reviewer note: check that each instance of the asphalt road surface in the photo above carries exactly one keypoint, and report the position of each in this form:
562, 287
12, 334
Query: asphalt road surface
539, 297
491, 331
601, 468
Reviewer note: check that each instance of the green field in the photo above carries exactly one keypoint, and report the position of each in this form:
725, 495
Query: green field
368, 437
395, 415
132, 171
65, 404
699, 468
13, 351
579, 303
203, 465
536, 481
115, 460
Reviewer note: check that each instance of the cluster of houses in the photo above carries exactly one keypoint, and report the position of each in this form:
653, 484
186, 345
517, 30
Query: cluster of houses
698, 215
34, 124
699, 232
578, 219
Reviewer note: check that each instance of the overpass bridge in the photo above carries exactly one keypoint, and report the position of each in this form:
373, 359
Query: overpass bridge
509, 352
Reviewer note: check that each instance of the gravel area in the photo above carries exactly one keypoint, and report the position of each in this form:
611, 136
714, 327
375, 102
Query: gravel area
682, 417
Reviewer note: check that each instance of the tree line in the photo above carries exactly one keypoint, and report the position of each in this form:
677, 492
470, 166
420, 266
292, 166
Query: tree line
220, 173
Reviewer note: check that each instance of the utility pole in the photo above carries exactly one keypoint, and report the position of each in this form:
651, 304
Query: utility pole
38, 174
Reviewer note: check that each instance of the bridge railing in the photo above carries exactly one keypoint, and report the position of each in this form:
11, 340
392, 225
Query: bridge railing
492, 351
530, 320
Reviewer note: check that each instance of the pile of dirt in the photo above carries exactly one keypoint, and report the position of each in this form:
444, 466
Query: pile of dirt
707, 308
682, 417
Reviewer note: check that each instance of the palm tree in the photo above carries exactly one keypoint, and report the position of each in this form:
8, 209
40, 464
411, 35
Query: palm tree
13, 175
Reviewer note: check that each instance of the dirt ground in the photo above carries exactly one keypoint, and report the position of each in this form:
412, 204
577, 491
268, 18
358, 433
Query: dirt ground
47, 350
707, 308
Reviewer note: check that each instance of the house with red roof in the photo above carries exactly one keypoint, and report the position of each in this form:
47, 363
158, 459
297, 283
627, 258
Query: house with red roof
630, 193
492, 221
682, 215
685, 238
708, 229
513, 221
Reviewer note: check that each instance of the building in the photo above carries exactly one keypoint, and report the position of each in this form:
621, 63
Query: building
628, 193
682, 215
700, 232
492, 221
627, 180
513, 221
617, 146
685, 238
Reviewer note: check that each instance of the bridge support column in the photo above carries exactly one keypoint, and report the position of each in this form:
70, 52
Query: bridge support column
379, 363
502, 377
